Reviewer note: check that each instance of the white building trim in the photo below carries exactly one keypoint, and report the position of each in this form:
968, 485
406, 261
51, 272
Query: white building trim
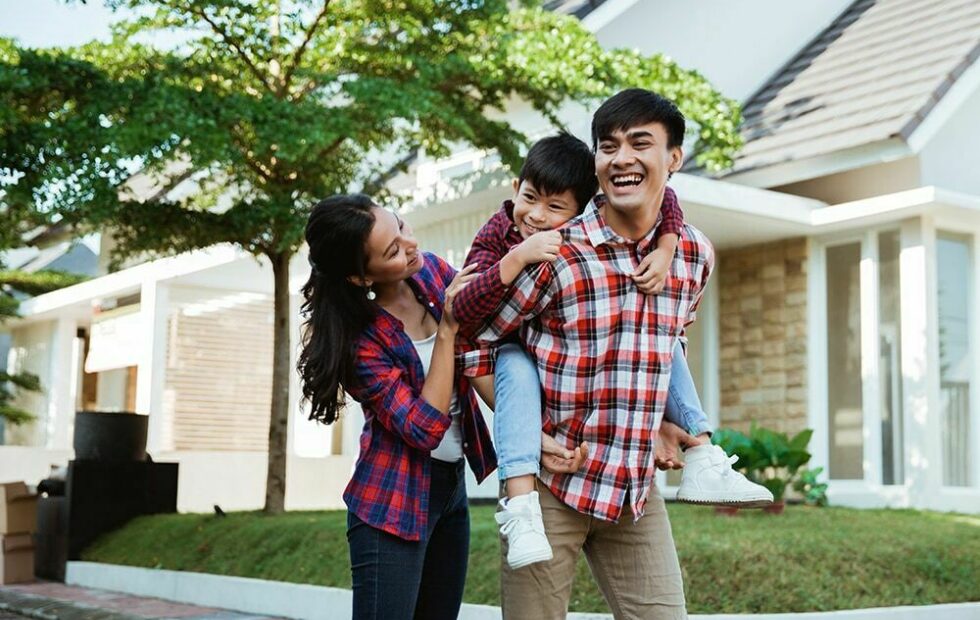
796, 170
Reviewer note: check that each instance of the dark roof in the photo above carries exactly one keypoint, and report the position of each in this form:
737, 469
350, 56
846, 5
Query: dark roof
578, 8
874, 74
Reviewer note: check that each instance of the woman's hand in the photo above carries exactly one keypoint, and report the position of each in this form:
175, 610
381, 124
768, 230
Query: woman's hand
462, 278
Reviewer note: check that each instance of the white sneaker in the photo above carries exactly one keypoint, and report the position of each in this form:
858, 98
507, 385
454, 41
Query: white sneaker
708, 478
520, 523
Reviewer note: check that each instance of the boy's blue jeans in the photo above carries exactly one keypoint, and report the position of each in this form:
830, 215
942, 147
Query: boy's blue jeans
517, 411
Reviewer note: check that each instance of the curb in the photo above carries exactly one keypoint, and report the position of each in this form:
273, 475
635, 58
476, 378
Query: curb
308, 602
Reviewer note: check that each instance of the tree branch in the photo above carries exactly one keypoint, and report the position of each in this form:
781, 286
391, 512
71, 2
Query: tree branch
298, 54
235, 47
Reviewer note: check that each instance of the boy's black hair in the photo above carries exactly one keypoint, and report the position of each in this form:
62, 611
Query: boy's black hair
559, 163
636, 106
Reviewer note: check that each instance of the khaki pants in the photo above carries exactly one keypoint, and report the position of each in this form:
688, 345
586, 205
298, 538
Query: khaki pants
635, 565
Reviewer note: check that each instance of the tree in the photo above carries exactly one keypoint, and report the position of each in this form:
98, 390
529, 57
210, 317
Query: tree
272, 105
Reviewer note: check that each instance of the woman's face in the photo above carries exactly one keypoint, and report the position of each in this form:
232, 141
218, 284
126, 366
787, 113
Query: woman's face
392, 251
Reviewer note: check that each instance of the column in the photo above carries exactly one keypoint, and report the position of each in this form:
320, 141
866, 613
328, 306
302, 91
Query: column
152, 367
61, 384
920, 361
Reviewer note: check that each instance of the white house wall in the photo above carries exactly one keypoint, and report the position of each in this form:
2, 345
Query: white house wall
30, 351
950, 159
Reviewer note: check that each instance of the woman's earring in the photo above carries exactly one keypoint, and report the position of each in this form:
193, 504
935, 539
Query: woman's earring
371, 294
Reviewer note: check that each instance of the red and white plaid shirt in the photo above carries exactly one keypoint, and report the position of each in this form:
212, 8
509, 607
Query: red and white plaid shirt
603, 351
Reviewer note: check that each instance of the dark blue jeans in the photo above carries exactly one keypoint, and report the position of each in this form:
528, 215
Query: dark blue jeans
398, 579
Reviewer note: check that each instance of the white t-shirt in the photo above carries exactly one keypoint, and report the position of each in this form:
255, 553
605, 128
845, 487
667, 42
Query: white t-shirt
450, 449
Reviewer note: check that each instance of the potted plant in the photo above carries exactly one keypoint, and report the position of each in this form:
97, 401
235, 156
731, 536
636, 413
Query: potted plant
772, 459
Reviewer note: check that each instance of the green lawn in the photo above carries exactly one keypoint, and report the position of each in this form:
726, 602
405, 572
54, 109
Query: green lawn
806, 559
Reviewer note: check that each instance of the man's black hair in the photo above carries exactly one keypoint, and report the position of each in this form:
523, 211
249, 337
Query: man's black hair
559, 163
636, 106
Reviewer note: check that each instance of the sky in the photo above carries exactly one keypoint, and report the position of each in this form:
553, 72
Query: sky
49, 23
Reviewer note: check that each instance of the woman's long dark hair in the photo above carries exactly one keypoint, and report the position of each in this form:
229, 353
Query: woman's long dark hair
336, 310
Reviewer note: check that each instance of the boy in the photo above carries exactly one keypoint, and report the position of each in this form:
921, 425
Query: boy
556, 183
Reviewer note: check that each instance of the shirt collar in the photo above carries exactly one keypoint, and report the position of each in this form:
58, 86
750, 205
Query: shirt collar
600, 233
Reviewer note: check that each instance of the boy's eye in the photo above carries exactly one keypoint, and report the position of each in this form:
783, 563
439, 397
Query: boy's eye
528, 196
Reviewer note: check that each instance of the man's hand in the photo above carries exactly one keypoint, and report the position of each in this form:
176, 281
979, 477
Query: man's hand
651, 274
670, 440
558, 459
539, 247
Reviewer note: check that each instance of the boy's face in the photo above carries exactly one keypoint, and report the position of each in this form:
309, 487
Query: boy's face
534, 211
632, 165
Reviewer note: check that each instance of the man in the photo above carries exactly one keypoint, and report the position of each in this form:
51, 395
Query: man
603, 351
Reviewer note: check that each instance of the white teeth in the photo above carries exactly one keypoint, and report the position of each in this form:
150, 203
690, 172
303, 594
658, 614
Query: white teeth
627, 179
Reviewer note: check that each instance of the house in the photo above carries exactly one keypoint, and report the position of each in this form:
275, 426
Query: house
843, 300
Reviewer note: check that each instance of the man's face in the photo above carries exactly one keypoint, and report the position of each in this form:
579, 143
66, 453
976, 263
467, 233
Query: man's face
632, 166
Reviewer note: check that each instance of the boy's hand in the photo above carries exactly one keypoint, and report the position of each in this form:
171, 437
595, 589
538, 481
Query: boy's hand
539, 247
651, 274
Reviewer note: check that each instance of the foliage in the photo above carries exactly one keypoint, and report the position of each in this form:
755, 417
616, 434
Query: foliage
807, 560
266, 107
767, 457
810, 488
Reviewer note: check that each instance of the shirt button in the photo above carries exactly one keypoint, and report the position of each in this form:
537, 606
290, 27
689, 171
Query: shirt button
431, 305
466, 445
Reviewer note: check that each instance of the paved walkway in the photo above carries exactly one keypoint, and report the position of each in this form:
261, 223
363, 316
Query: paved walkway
56, 601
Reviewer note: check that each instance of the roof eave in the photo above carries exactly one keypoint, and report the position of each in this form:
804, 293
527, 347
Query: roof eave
794, 171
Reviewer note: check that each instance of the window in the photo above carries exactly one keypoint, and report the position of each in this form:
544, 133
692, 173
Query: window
953, 257
844, 381
890, 358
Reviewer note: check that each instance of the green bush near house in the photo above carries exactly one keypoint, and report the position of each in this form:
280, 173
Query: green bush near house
807, 559
775, 460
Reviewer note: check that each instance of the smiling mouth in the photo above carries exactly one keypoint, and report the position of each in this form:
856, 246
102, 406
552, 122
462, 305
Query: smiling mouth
533, 229
626, 180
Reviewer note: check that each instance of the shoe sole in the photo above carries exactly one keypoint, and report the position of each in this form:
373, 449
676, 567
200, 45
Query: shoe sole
758, 502
530, 559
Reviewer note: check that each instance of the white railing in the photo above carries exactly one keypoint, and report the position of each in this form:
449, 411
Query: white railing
956, 433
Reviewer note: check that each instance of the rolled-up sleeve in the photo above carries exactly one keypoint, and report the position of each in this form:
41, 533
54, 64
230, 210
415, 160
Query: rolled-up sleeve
531, 294
381, 389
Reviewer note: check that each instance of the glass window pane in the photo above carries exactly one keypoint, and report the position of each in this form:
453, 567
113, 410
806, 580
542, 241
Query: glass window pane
953, 261
844, 382
890, 358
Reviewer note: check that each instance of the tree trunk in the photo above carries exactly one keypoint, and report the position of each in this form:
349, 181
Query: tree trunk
275, 485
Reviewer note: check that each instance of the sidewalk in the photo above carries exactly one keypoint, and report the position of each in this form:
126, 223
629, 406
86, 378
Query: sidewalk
56, 601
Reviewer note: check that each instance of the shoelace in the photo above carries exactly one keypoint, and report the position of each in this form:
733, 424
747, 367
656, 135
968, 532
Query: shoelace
730, 460
512, 524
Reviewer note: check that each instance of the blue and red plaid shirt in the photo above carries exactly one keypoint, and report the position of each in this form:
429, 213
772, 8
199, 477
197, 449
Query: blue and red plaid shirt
476, 303
390, 486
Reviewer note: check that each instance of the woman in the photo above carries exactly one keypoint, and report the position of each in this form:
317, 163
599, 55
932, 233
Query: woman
380, 327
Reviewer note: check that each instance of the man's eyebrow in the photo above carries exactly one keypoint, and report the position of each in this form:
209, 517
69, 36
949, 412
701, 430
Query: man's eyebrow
639, 133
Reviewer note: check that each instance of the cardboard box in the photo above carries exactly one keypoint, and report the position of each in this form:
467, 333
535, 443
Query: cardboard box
18, 509
16, 558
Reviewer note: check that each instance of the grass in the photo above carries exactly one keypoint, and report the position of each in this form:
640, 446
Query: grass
807, 559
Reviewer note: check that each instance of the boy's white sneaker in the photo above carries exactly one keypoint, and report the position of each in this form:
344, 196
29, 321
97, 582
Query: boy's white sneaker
520, 523
708, 478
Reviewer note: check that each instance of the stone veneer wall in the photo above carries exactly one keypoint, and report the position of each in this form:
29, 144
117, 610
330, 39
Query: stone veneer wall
763, 307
